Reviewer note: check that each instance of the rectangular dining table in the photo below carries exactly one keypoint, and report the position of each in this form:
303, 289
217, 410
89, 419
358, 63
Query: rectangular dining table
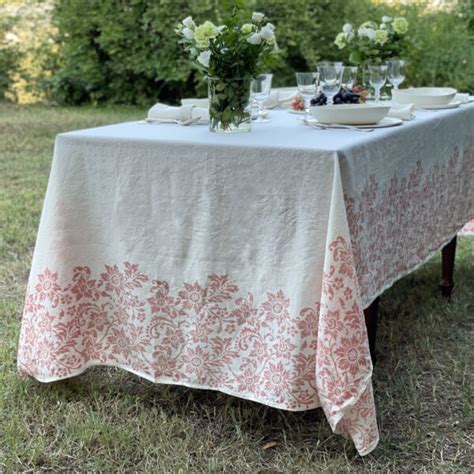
240, 262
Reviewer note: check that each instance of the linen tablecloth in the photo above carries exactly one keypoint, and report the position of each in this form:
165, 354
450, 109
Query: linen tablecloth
243, 262
468, 229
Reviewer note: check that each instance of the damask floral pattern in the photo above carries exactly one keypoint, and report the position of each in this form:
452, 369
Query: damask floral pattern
386, 244
211, 336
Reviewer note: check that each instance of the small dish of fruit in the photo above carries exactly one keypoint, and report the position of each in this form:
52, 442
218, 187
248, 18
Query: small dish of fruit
297, 104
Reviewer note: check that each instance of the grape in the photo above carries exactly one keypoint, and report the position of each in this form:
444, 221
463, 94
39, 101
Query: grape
320, 99
346, 96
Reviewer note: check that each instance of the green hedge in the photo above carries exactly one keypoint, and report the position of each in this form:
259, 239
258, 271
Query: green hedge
126, 51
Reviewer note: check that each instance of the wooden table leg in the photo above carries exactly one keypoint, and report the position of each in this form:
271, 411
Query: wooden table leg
371, 315
448, 255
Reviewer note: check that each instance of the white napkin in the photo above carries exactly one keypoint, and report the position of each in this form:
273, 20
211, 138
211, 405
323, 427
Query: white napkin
196, 102
463, 98
402, 111
281, 97
185, 112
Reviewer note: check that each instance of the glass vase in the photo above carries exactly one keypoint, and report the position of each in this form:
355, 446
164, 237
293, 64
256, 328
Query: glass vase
229, 104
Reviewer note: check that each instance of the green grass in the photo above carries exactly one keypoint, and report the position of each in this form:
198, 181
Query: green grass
109, 420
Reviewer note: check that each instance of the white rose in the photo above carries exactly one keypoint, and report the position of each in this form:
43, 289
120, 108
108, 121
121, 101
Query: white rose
270, 25
204, 58
255, 39
347, 28
257, 17
368, 32
188, 22
340, 41
188, 33
267, 33
386, 19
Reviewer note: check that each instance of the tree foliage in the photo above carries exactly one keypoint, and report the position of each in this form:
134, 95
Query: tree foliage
126, 51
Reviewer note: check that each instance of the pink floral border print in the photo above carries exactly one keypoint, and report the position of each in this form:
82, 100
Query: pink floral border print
210, 335
385, 242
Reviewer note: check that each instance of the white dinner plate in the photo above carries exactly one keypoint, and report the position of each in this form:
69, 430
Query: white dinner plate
451, 105
384, 123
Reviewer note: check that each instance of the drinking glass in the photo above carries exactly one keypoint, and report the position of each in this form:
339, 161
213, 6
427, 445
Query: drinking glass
307, 83
330, 76
377, 79
337, 64
349, 76
396, 72
260, 92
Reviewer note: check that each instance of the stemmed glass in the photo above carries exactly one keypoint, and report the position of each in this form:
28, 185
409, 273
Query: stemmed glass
377, 79
337, 64
260, 92
330, 75
349, 76
307, 83
396, 72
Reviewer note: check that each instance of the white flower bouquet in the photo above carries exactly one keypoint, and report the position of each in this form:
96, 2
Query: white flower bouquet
231, 55
374, 43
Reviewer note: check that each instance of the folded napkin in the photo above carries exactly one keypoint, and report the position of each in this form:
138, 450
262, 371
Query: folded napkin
196, 102
463, 98
185, 112
281, 97
402, 111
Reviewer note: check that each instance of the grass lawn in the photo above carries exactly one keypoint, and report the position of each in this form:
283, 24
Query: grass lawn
110, 420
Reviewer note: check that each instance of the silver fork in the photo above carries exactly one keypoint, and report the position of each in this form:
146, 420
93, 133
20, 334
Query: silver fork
184, 123
322, 126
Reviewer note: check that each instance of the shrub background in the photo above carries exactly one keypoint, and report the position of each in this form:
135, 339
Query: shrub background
126, 51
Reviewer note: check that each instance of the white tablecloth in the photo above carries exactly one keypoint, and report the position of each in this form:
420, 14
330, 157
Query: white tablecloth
240, 263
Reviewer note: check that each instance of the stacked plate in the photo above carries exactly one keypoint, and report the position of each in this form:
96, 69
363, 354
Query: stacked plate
427, 97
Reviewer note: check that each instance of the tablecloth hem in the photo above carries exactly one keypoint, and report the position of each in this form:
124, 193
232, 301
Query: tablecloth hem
163, 381
366, 302
370, 448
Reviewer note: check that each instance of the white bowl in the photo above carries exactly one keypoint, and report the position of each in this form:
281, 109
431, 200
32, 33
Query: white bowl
350, 114
424, 95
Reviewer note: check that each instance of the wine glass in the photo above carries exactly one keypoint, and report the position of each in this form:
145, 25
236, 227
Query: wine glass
396, 72
337, 64
330, 76
349, 77
377, 79
307, 83
260, 92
